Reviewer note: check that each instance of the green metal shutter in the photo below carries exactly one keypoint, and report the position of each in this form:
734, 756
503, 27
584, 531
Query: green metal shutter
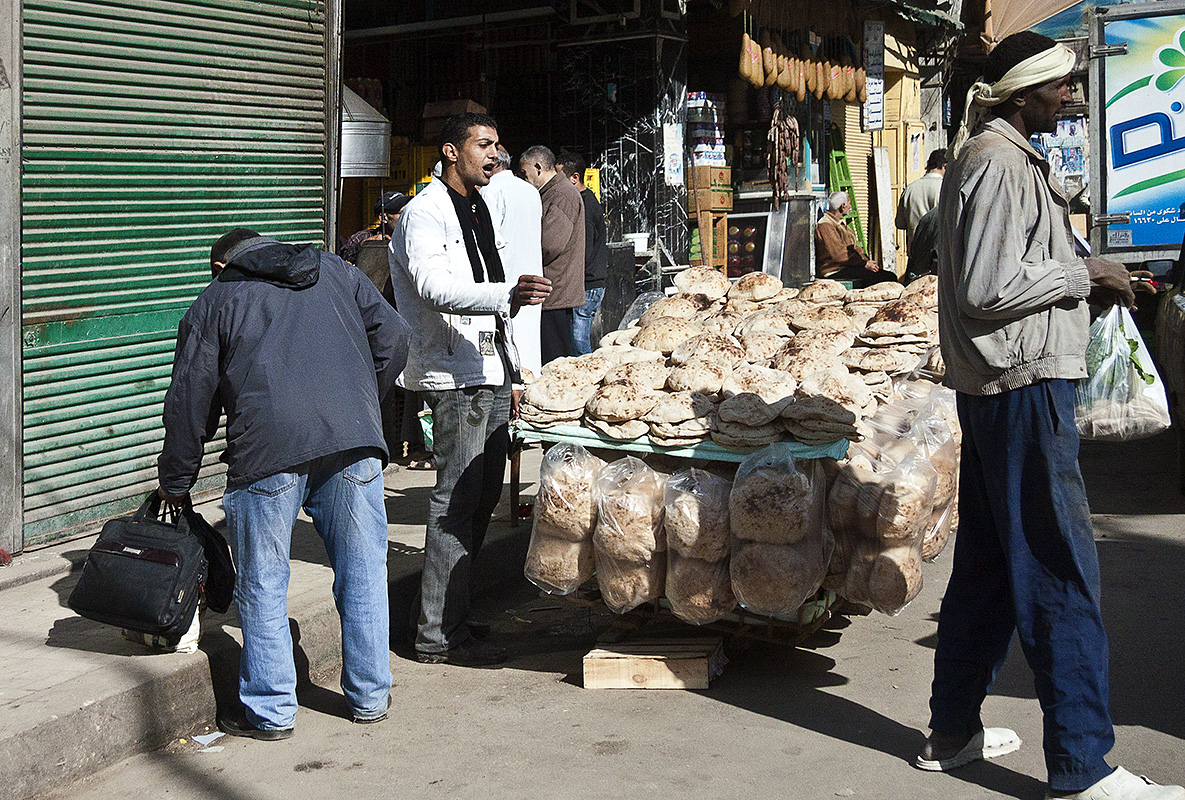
150, 128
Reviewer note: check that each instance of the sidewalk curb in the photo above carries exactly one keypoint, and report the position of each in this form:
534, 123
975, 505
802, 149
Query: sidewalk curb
176, 700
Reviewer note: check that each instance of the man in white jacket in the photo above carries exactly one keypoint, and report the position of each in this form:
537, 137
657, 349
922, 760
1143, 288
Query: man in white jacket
449, 285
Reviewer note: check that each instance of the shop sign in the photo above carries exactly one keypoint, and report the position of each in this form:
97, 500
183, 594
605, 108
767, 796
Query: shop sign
874, 68
1143, 131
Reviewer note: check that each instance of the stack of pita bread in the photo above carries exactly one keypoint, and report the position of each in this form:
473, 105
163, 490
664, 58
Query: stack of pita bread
780, 543
560, 556
629, 542
767, 359
699, 586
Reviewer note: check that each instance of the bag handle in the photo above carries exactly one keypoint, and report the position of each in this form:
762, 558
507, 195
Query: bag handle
151, 508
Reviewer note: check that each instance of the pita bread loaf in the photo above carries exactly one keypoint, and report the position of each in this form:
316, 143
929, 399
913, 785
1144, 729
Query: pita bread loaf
824, 318
755, 286
558, 395
673, 306
628, 430
696, 514
861, 313
558, 566
586, 369
648, 374
775, 579
545, 419
723, 321
703, 280
924, 291
877, 293
750, 409
700, 374
905, 314
838, 385
800, 363
822, 290
621, 402
895, 579
746, 437
771, 385
699, 591
624, 336
768, 320
689, 431
822, 341
625, 354
715, 346
760, 347
665, 334
681, 406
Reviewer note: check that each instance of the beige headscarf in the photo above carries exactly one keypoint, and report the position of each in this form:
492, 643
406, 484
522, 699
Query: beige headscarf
1048, 65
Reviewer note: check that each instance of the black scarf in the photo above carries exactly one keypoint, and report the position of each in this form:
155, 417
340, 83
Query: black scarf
478, 230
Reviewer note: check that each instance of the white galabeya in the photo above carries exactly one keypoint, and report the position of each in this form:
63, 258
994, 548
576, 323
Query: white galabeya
1122, 785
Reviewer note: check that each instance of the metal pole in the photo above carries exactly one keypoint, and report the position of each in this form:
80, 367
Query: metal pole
333, 119
11, 500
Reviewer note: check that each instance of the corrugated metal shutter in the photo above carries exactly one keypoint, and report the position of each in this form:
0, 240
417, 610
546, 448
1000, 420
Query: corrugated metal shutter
859, 150
150, 128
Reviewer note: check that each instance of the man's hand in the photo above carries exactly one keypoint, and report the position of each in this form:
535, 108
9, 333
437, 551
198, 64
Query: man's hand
173, 501
872, 266
1110, 282
516, 397
531, 290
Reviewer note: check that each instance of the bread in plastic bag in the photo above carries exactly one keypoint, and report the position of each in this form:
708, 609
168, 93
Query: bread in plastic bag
699, 591
780, 550
877, 559
629, 542
1123, 397
560, 556
696, 514
566, 506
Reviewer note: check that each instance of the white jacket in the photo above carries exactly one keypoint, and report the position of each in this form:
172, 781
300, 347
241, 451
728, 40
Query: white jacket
452, 318
517, 213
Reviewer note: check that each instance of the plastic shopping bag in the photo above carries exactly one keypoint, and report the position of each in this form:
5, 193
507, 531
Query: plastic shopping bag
1123, 397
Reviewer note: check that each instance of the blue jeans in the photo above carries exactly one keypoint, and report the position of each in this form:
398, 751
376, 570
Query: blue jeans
1025, 560
470, 440
343, 493
582, 320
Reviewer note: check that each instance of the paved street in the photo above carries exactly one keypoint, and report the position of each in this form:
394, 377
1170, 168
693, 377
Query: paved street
839, 718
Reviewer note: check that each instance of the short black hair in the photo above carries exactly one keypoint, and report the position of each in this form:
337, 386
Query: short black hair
937, 160
227, 241
457, 127
573, 164
538, 153
1012, 50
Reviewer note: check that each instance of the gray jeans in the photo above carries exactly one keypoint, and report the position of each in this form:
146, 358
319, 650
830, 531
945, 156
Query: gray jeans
470, 440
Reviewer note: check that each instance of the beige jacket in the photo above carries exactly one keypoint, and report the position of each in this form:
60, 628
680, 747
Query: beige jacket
1011, 290
563, 243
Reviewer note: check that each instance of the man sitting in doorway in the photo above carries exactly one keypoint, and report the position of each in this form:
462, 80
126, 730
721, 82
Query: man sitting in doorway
837, 255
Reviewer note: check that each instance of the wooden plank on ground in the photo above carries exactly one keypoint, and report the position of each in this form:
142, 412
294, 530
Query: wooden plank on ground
655, 664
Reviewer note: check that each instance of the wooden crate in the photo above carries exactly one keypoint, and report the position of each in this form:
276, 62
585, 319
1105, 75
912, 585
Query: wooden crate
655, 664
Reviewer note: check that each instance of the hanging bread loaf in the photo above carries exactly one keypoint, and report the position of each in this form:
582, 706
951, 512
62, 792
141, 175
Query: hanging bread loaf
849, 76
820, 78
862, 85
808, 68
834, 79
785, 81
800, 79
746, 62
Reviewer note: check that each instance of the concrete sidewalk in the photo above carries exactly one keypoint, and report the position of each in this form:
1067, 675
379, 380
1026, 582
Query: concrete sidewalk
77, 697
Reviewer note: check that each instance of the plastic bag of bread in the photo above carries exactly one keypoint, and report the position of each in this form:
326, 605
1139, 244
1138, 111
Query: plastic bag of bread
879, 512
781, 543
695, 518
934, 439
629, 543
560, 556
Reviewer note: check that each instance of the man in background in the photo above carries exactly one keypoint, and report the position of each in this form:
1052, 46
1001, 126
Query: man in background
920, 196
387, 209
596, 254
563, 249
837, 254
517, 213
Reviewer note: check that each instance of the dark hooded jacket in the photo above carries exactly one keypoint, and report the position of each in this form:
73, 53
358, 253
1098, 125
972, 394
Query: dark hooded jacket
296, 347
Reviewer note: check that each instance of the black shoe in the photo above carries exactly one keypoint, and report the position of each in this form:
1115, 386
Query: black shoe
478, 630
372, 720
471, 654
239, 726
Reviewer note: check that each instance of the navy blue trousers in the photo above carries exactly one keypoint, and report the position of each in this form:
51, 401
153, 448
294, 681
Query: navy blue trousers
1025, 561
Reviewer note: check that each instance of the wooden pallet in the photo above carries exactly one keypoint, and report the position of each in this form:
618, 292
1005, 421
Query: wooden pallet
655, 664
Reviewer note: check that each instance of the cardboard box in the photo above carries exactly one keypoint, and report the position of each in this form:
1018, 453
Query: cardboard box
711, 177
717, 199
447, 108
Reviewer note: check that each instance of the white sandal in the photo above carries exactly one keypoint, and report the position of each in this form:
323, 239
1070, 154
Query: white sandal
988, 743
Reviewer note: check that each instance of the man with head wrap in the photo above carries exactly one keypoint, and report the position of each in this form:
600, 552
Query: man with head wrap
1013, 319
